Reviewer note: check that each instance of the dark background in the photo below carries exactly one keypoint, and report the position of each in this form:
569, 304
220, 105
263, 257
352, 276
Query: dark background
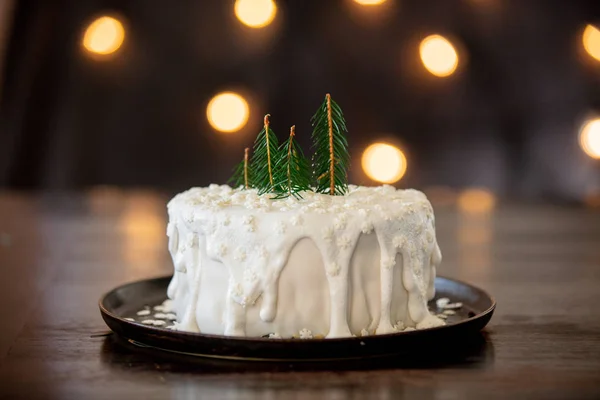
508, 119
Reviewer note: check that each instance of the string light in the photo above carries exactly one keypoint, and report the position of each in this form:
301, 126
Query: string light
384, 163
438, 56
476, 201
104, 36
370, 2
589, 138
227, 112
591, 41
255, 13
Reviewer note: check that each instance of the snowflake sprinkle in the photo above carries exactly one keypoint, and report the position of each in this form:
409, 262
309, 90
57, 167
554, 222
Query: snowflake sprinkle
344, 242
306, 334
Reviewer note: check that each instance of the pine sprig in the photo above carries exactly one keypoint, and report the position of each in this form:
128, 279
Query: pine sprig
263, 159
242, 174
292, 169
331, 158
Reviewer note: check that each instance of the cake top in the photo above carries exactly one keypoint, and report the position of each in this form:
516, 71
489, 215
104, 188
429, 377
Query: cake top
221, 197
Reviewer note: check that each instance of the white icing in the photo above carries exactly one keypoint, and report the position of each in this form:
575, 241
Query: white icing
247, 264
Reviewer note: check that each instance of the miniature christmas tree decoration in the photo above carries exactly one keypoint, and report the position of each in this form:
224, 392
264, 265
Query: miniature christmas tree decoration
263, 159
331, 158
292, 169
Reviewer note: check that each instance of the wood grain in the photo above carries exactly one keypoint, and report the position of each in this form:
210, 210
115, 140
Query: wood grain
60, 253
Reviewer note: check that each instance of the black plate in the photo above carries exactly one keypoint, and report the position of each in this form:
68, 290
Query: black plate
124, 301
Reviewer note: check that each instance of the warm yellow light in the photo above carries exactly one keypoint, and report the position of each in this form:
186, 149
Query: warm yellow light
589, 138
591, 41
104, 36
255, 13
227, 112
476, 201
369, 2
384, 163
438, 55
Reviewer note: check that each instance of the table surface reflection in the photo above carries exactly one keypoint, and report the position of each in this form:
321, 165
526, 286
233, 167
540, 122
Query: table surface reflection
60, 252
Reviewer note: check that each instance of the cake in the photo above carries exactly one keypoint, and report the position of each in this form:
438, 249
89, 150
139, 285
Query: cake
294, 251
316, 265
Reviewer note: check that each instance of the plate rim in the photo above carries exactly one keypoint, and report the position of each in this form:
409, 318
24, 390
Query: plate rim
350, 339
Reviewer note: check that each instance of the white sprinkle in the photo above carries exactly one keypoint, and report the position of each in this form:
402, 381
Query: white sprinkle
221, 250
274, 335
344, 242
449, 312
262, 252
340, 222
158, 323
129, 319
328, 233
171, 316
306, 334
240, 254
143, 312
398, 241
389, 262
280, 228
160, 316
333, 269
148, 322
453, 305
159, 308
442, 302
442, 316
296, 220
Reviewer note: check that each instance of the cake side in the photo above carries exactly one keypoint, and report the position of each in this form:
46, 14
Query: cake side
239, 258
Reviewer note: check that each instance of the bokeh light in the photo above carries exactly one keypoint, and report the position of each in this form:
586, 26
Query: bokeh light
438, 55
104, 36
589, 138
476, 201
591, 41
227, 112
370, 2
255, 13
384, 163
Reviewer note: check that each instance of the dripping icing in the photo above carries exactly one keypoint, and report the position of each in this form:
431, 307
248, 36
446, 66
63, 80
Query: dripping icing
246, 234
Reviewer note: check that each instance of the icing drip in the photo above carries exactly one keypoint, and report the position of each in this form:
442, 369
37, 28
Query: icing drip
252, 237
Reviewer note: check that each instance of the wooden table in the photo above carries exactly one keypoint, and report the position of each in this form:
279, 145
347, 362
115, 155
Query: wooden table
60, 253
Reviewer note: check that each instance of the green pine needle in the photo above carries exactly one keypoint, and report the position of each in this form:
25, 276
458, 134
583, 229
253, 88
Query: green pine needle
264, 157
292, 176
331, 158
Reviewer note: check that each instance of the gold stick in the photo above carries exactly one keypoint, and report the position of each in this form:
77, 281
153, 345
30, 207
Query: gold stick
289, 156
331, 158
246, 167
266, 122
